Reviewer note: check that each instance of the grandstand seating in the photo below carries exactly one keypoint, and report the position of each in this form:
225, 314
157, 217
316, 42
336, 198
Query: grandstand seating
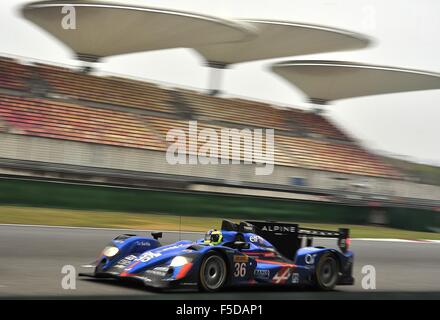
234, 110
52, 119
315, 124
14, 75
302, 139
324, 155
107, 90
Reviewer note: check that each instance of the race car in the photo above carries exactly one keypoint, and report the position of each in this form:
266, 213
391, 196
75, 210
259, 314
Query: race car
249, 253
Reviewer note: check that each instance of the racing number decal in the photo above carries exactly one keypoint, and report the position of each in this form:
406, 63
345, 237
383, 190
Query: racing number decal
240, 266
147, 256
240, 269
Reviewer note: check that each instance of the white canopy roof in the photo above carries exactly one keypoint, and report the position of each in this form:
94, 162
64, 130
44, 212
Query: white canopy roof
107, 28
282, 39
324, 81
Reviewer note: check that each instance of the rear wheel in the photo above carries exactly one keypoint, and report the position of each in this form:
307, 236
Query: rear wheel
327, 272
212, 273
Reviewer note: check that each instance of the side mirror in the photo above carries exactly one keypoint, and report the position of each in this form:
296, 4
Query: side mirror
156, 235
240, 245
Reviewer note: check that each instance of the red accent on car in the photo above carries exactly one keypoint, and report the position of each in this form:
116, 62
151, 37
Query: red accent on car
183, 271
282, 264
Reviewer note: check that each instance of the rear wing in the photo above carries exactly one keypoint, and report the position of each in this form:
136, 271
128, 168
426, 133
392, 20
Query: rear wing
343, 236
289, 237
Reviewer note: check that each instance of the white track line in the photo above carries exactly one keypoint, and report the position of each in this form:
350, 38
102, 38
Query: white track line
93, 228
398, 240
195, 232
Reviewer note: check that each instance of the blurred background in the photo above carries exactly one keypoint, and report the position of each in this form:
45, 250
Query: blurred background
83, 143
89, 90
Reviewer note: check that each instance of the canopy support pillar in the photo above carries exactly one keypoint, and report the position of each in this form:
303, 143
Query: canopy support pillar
317, 105
89, 62
215, 77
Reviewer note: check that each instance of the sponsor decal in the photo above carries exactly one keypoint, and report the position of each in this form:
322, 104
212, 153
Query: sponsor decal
238, 258
295, 278
125, 262
121, 265
143, 243
257, 239
275, 228
262, 273
253, 238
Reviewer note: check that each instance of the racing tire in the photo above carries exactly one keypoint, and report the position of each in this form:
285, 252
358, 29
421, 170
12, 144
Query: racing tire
213, 273
327, 272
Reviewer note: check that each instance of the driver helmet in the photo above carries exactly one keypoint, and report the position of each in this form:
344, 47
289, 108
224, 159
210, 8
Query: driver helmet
213, 237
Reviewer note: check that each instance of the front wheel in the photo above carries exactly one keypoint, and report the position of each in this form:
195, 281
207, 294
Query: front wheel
212, 273
327, 272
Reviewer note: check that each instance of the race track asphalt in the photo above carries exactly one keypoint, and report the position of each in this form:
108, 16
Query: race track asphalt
31, 260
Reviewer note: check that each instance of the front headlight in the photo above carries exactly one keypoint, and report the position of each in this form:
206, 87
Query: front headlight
179, 261
110, 251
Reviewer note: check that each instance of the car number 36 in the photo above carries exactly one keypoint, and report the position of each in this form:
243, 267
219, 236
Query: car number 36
239, 269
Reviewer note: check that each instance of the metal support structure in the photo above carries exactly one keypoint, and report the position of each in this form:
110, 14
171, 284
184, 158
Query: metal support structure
89, 62
215, 77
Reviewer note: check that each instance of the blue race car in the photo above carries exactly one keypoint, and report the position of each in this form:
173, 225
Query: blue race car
246, 254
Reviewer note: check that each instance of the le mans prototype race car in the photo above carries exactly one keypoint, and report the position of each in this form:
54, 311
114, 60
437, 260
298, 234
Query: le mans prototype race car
246, 254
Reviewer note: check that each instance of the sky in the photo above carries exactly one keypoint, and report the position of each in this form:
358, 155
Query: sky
406, 34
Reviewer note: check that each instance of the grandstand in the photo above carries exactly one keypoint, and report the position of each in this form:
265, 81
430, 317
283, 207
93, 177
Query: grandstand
51, 114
